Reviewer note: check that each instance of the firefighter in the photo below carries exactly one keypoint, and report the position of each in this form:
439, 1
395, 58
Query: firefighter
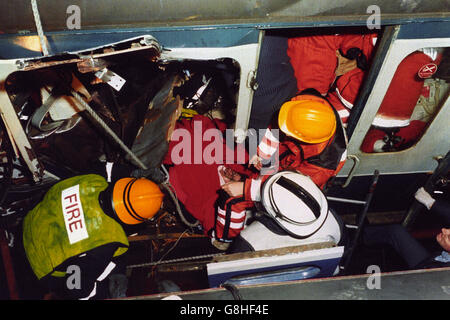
312, 141
334, 65
74, 236
295, 212
351, 70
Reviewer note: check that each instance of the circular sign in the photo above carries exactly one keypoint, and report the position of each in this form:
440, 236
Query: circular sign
427, 70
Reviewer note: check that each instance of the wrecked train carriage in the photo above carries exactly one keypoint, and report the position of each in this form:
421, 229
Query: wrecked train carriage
402, 35
72, 113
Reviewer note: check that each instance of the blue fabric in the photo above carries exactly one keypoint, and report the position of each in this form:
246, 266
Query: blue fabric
444, 257
276, 81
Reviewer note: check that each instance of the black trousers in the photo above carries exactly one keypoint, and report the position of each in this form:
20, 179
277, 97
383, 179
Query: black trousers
276, 82
396, 236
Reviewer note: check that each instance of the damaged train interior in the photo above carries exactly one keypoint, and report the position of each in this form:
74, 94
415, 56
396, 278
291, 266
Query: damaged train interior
117, 97
140, 111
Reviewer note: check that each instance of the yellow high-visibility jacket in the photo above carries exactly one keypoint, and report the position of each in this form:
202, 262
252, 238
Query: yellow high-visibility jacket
68, 222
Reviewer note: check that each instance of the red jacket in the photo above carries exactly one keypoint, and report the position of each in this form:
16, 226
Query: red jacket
403, 92
400, 101
314, 61
319, 161
196, 184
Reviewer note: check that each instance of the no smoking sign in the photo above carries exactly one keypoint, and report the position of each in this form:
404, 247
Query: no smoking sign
427, 70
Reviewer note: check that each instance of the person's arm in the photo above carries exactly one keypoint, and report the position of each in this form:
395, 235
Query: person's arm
230, 219
439, 207
424, 198
265, 150
442, 209
268, 145
252, 188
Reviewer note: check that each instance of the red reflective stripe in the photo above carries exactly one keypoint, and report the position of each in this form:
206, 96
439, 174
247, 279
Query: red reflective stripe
267, 147
263, 155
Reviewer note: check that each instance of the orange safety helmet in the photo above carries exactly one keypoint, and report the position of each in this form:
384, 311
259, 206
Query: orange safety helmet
308, 118
136, 200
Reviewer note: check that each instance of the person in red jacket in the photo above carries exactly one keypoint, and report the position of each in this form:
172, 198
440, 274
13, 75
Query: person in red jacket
195, 173
335, 65
312, 142
394, 127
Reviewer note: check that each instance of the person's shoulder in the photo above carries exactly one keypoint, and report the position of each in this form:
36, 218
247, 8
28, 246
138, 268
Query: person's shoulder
441, 205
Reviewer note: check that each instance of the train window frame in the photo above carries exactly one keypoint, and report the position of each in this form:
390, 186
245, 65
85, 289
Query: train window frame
410, 160
391, 125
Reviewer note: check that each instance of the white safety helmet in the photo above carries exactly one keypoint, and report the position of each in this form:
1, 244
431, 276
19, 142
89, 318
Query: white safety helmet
295, 203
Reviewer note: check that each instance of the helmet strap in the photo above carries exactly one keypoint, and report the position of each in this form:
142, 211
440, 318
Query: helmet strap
105, 200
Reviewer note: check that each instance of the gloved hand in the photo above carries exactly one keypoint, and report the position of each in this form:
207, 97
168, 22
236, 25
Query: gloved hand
378, 146
234, 188
424, 198
344, 64
221, 245
256, 161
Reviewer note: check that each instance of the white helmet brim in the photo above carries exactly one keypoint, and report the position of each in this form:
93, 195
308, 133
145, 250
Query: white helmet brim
295, 202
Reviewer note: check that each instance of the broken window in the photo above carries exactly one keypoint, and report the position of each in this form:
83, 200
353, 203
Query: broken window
134, 97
